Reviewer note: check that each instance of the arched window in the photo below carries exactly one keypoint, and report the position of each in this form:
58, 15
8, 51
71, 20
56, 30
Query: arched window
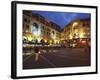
35, 28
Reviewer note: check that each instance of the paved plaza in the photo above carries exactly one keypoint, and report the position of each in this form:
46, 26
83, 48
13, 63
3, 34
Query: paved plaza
58, 57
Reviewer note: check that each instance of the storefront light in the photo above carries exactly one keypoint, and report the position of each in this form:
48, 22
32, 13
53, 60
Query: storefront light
55, 41
81, 35
45, 41
70, 36
39, 39
30, 38
58, 41
50, 42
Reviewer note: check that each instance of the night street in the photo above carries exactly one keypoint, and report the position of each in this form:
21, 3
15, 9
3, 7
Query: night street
62, 57
56, 39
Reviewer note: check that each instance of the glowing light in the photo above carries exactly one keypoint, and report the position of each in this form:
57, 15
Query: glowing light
50, 42
55, 41
39, 39
36, 31
76, 35
45, 41
53, 36
75, 23
81, 35
83, 42
70, 36
74, 45
30, 38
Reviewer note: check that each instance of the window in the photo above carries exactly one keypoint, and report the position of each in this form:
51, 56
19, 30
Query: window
27, 27
53, 32
35, 28
25, 19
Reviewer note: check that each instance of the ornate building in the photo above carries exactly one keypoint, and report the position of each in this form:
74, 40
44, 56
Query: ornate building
76, 29
36, 28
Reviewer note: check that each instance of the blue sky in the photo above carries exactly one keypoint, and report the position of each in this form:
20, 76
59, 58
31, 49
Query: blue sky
62, 18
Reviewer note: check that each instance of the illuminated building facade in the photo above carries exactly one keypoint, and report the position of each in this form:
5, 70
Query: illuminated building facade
37, 29
77, 29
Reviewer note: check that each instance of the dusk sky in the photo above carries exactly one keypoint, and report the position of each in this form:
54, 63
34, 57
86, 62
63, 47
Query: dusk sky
62, 18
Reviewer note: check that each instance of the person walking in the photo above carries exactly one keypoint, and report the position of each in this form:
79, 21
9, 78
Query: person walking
37, 53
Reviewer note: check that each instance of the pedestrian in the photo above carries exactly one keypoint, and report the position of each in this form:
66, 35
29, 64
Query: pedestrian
37, 53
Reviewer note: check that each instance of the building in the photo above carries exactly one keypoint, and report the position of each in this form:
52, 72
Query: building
37, 29
77, 30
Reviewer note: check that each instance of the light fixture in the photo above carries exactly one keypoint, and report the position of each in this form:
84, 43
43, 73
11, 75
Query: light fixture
30, 38
75, 23
39, 39
81, 35
70, 36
